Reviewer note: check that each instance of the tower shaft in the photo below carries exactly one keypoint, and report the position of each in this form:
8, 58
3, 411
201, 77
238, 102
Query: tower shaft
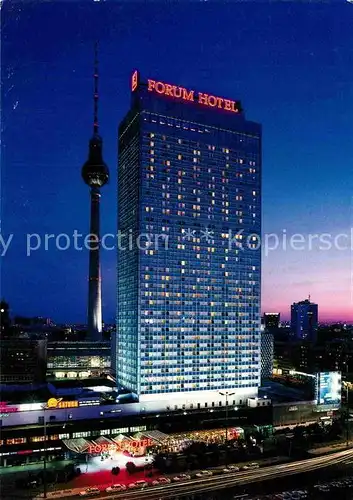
95, 173
94, 280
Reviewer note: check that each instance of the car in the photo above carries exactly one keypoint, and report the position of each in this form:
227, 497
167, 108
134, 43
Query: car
204, 473
185, 477
245, 467
115, 488
233, 468
141, 483
181, 477
90, 492
225, 470
254, 465
155, 483
163, 480
132, 486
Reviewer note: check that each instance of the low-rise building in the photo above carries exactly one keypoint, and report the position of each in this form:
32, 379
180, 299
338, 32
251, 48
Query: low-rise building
23, 361
78, 360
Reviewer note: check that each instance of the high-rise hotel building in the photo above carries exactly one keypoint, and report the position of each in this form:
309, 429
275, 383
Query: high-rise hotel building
189, 263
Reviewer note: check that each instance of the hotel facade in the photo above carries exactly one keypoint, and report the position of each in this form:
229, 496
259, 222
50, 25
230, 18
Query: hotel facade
188, 285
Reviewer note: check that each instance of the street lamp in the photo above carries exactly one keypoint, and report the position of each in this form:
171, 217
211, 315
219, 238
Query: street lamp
227, 395
45, 454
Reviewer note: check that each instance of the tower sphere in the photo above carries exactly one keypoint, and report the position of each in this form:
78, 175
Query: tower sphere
95, 171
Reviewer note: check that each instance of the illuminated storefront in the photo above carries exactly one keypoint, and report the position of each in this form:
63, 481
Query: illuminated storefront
74, 360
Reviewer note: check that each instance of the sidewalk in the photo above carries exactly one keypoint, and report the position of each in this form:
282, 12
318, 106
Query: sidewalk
330, 449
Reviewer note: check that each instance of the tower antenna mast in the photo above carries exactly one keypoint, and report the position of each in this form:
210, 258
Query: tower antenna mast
95, 96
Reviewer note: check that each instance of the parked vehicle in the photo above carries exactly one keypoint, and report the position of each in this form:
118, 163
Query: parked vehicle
114, 488
90, 492
184, 477
163, 480
204, 473
141, 483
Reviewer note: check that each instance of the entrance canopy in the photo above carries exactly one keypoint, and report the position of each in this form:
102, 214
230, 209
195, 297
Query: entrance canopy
119, 443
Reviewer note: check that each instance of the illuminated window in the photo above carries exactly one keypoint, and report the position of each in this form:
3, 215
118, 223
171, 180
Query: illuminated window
81, 434
16, 441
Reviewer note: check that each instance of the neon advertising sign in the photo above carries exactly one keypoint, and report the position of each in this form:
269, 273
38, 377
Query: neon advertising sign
184, 94
118, 447
134, 81
54, 403
5, 410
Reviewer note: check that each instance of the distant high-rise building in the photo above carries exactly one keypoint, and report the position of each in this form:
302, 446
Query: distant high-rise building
95, 173
189, 181
304, 320
267, 348
271, 321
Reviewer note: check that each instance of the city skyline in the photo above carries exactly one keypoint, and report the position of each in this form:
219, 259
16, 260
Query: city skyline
293, 112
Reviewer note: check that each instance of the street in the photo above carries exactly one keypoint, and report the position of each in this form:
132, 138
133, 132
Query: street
228, 480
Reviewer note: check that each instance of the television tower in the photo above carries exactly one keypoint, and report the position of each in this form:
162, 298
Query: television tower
95, 173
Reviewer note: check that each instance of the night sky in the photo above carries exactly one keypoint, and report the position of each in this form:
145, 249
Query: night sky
291, 65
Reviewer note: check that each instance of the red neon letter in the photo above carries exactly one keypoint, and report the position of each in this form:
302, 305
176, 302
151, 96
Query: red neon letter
188, 96
227, 104
214, 101
151, 85
160, 88
203, 98
177, 91
169, 89
235, 108
220, 101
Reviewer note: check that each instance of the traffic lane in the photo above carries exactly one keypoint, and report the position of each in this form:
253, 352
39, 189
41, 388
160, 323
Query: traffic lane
209, 484
198, 485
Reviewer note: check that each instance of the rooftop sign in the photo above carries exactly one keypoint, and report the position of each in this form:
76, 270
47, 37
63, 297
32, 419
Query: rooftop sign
190, 95
59, 403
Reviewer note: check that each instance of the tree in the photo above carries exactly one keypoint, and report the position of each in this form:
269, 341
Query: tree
130, 467
116, 471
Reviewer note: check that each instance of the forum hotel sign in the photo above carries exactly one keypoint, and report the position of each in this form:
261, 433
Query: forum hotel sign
187, 95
